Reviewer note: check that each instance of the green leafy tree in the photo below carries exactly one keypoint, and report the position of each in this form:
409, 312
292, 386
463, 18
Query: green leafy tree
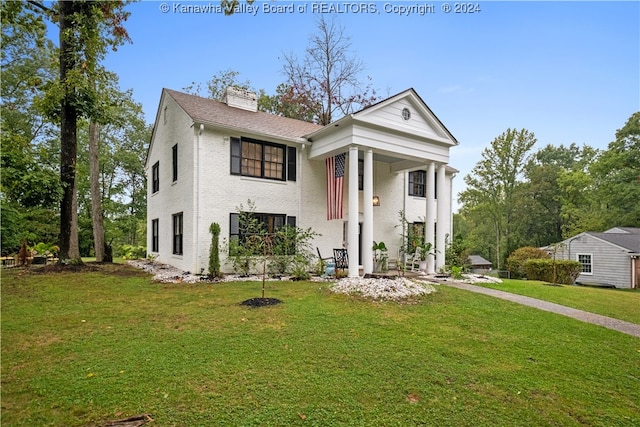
543, 197
616, 175
493, 183
86, 30
29, 182
123, 144
580, 206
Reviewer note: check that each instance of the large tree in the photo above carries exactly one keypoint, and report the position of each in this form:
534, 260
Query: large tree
493, 184
327, 81
543, 197
87, 30
616, 173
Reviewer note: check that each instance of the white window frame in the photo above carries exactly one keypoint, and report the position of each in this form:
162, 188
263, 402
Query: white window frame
583, 264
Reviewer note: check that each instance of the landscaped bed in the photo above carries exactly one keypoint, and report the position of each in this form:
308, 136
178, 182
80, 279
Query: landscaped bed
85, 347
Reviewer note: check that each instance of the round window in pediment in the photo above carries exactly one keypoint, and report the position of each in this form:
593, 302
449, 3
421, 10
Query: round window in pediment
406, 114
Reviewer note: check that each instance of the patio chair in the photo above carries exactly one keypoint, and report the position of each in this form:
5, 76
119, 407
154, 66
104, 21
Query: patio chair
341, 257
393, 263
320, 256
413, 263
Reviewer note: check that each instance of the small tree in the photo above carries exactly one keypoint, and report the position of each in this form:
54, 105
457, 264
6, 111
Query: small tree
244, 248
214, 252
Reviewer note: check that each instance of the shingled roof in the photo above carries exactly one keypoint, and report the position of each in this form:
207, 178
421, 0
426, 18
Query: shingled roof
625, 237
216, 113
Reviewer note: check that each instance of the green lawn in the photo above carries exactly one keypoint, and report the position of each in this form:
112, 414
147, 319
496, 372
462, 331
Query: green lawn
82, 348
617, 303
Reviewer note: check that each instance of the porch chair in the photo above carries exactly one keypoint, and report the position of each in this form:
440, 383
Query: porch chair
341, 257
393, 263
413, 263
320, 256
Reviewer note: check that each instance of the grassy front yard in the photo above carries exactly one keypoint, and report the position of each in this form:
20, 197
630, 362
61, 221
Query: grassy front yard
82, 348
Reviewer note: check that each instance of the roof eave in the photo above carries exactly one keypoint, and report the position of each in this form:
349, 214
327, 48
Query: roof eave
252, 133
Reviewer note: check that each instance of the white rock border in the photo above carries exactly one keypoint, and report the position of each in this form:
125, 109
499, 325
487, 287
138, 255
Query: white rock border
382, 288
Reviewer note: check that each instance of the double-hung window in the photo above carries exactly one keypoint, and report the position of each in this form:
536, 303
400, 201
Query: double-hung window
586, 263
177, 233
260, 159
418, 183
155, 177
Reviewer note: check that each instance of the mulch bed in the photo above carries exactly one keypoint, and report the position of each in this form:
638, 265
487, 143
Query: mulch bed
260, 302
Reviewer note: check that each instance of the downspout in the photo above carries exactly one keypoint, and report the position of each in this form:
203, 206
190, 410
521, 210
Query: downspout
299, 184
196, 179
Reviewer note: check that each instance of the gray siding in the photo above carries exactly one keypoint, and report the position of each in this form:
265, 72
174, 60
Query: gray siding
611, 265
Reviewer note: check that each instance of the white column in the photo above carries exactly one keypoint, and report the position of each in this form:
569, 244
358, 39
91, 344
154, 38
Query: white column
444, 212
431, 213
367, 226
353, 213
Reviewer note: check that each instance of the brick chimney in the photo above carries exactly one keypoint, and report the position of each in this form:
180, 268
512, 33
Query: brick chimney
240, 98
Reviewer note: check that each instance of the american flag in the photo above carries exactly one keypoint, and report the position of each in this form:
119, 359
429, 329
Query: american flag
335, 184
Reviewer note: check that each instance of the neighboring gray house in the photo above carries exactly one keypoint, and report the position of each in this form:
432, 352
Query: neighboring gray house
479, 265
610, 258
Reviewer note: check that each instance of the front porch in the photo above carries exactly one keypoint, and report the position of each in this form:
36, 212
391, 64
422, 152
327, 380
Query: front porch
402, 135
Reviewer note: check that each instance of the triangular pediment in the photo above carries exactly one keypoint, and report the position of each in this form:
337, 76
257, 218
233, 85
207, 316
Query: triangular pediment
406, 113
401, 130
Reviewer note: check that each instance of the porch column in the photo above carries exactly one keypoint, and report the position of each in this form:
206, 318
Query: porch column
443, 217
430, 220
367, 226
352, 231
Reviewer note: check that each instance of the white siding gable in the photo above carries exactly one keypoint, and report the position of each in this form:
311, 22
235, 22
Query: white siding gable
391, 116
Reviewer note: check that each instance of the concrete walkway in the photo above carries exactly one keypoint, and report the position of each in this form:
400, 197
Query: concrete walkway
615, 324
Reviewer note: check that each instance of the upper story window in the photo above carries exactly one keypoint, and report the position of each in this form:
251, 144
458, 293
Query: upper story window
155, 177
260, 159
174, 163
418, 184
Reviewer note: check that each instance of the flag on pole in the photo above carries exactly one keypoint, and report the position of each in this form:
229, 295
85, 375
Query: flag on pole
335, 184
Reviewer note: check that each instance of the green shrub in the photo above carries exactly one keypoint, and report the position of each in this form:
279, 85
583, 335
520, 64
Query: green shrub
548, 270
214, 253
518, 258
133, 252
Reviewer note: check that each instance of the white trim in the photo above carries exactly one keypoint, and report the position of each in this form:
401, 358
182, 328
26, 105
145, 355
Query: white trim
590, 255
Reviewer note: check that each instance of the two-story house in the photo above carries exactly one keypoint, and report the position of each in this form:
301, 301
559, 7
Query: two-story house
347, 181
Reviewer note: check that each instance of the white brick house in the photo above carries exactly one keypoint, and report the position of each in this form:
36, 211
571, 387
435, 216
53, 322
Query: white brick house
206, 158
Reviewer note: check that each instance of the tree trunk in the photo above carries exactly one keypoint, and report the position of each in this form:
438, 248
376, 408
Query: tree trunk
68, 138
74, 243
96, 194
